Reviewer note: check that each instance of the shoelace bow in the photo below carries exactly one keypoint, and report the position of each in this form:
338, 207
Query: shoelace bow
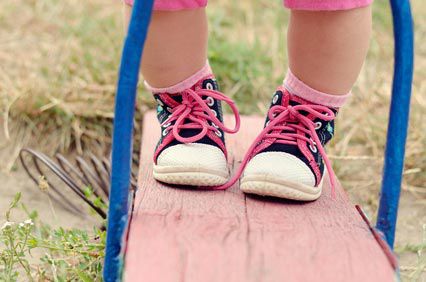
284, 122
195, 109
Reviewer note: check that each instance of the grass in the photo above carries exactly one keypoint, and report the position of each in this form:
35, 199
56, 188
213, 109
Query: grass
59, 60
415, 272
33, 251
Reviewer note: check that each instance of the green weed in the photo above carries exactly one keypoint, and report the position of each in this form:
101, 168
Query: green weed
32, 251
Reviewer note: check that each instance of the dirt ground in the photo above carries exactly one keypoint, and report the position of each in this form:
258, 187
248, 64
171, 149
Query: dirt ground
49, 211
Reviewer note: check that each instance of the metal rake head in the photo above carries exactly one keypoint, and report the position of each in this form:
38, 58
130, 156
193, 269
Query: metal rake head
87, 178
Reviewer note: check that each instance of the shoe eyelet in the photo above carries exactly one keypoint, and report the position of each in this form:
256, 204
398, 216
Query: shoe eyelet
275, 99
165, 131
169, 109
159, 102
267, 123
313, 148
210, 101
166, 120
214, 112
214, 125
209, 86
218, 133
318, 125
167, 124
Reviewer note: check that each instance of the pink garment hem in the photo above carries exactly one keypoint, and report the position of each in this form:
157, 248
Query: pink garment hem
312, 5
187, 83
174, 5
325, 5
299, 88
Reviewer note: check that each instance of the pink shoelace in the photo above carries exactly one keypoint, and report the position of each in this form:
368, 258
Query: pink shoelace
284, 122
196, 109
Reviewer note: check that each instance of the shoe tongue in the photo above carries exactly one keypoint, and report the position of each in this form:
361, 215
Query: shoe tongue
291, 99
286, 99
208, 82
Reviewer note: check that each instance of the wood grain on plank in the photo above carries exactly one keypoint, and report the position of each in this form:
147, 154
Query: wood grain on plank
181, 234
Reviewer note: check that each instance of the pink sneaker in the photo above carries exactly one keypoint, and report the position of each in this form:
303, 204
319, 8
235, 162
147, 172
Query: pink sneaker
287, 159
192, 150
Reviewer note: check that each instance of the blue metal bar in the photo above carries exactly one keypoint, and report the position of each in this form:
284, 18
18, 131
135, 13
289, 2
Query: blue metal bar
398, 119
122, 137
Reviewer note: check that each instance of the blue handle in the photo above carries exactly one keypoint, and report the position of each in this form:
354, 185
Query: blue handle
122, 137
398, 119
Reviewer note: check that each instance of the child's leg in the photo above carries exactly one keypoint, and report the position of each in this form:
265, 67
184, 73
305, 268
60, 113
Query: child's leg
176, 46
191, 149
326, 49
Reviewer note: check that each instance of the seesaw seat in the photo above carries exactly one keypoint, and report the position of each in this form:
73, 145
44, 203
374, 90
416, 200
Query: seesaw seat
179, 234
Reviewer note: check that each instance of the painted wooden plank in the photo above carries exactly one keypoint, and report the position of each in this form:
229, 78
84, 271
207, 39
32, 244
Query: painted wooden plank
180, 234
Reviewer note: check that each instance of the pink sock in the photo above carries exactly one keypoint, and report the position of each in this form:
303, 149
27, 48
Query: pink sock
185, 84
299, 88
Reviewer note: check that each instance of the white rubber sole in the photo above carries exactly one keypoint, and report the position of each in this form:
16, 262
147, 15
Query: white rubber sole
191, 176
267, 185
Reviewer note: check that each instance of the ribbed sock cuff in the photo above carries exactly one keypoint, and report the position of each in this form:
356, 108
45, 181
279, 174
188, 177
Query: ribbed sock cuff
299, 88
185, 84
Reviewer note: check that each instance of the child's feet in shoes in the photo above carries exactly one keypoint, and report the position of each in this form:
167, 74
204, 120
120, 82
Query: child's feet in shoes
191, 150
288, 159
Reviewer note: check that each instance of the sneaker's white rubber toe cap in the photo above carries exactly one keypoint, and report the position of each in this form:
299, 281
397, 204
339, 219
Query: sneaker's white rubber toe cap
192, 164
280, 174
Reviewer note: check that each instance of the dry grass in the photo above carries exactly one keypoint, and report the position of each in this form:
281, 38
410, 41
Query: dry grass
59, 59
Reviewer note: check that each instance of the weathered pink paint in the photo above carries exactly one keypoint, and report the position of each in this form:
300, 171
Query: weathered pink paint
201, 236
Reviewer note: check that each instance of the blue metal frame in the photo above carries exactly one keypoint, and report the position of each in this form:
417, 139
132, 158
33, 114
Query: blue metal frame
125, 108
122, 137
398, 119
